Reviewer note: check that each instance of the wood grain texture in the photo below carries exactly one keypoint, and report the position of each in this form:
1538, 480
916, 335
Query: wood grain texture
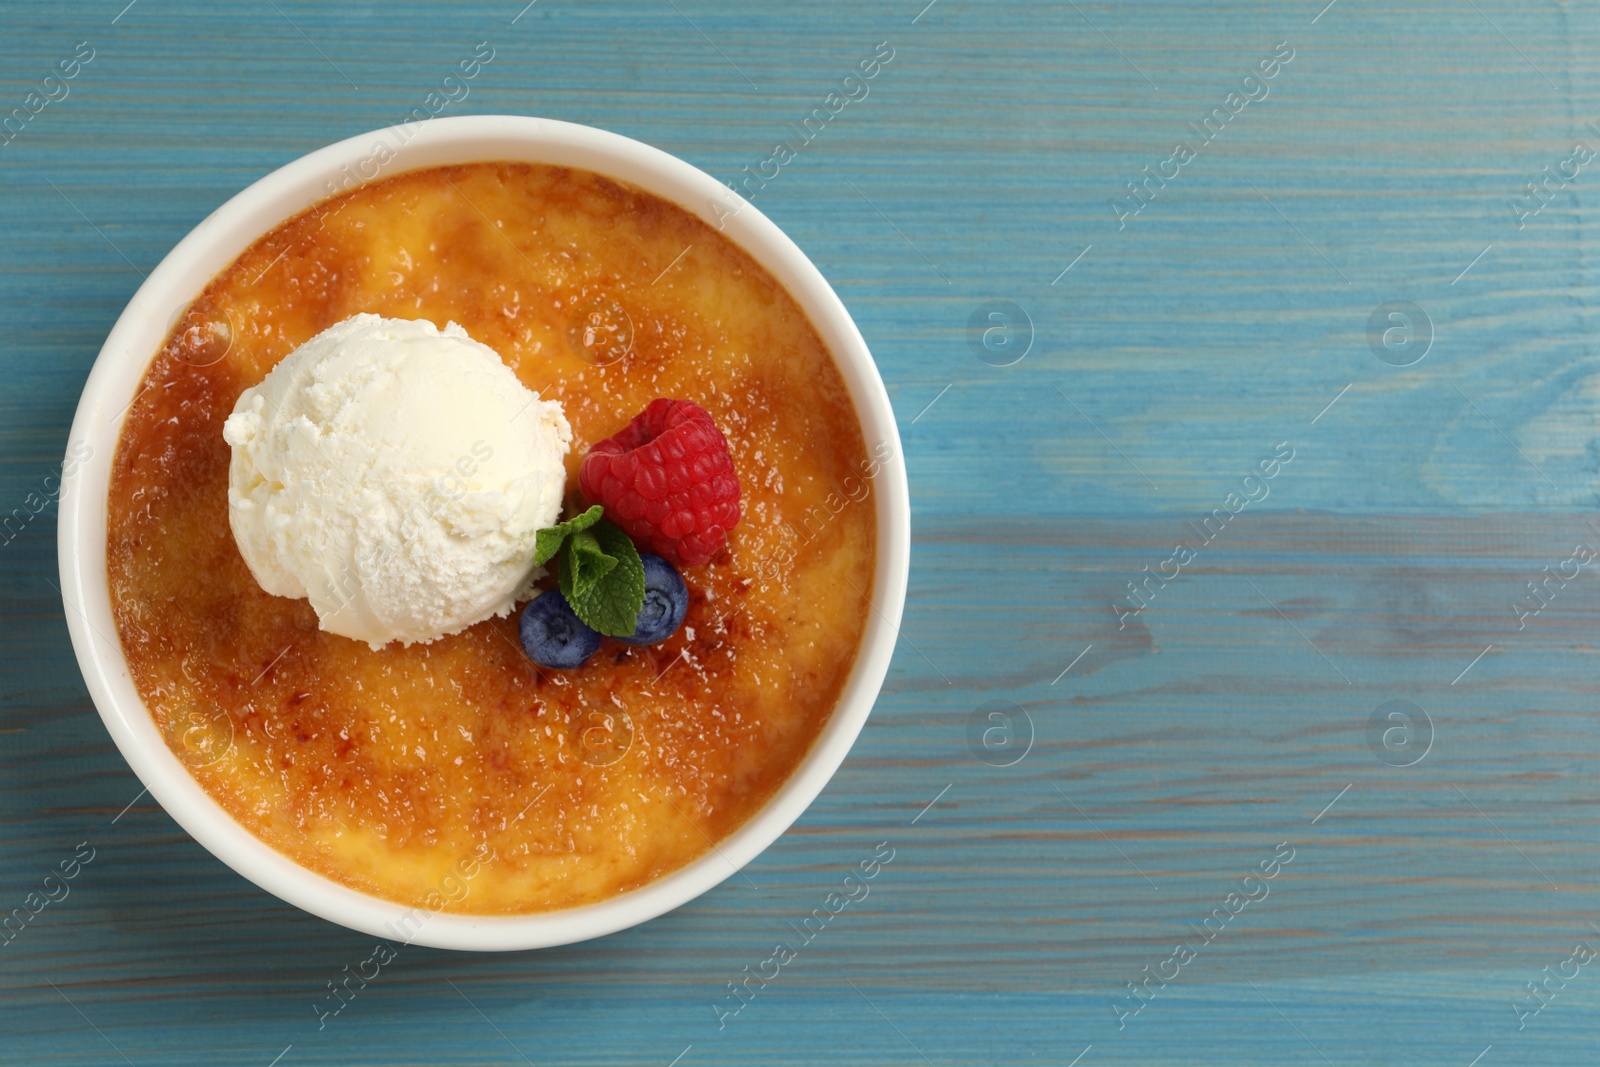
1178, 751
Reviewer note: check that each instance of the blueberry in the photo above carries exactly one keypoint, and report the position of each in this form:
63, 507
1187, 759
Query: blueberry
666, 602
553, 636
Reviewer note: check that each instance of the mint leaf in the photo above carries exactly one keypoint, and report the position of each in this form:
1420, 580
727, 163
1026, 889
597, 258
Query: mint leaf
588, 561
607, 596
598, 569
548, 541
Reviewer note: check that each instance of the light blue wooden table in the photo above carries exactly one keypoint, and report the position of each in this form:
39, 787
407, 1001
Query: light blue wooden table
1231, 717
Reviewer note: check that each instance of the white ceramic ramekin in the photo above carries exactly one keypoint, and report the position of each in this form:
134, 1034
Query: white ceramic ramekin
211, 247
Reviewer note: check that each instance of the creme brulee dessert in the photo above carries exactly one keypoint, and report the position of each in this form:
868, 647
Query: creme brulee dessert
497, 514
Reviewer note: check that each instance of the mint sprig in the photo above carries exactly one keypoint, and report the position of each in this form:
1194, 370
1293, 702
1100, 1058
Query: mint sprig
598, 569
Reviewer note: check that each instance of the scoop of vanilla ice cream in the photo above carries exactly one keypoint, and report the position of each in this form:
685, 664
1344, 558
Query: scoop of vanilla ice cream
396, 475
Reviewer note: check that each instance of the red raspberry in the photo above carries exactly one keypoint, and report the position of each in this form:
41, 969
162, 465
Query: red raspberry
667, 479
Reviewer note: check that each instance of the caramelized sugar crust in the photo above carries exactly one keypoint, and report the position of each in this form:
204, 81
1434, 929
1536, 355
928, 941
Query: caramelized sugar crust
386, 770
